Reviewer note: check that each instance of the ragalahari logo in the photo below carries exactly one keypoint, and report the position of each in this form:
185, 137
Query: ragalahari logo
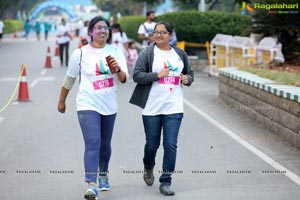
246, 8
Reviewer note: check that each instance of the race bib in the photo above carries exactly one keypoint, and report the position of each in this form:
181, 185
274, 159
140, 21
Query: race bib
169, 80
105, 83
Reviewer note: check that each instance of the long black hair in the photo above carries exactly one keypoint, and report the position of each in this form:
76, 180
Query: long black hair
118, 26
94, 21
168, 26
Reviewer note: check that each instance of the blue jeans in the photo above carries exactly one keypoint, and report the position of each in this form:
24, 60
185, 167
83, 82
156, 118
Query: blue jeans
97, 132
170, 125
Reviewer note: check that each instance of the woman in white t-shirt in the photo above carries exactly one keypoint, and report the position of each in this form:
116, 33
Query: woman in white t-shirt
119, 38
83, 35
160, 71
96, 99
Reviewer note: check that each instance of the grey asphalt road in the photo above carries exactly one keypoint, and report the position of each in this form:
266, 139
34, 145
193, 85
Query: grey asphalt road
222, 155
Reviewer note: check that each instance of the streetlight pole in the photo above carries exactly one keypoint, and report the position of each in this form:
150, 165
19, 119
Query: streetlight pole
202, 6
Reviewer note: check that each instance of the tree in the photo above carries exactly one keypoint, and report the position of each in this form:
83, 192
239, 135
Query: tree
125, 7
4, 5
150, 2
286, 27
9, 8
186, 4
218, 5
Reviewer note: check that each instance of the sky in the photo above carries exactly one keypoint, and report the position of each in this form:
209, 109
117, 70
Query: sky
165, 7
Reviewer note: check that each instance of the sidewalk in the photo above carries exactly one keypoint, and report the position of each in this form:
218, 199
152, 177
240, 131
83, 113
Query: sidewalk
206, 90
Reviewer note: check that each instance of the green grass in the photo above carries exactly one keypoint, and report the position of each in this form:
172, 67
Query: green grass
285, 78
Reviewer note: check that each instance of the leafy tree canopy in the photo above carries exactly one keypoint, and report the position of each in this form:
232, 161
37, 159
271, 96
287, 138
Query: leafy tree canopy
282, 23
9, 8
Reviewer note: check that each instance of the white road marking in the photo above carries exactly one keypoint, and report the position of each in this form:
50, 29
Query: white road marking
15, 103
43, 73
9, 79
34, 82
46, 78
294, 177
1, 119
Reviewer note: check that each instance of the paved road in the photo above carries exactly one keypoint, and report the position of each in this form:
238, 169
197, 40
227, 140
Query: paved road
221, 154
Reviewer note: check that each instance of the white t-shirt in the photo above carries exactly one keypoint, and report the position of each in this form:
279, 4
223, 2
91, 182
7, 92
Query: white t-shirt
97, 88
60, 31
146, 29
118, 40
166, 94
84, 33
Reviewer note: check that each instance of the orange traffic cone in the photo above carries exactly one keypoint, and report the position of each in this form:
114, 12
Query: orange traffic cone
48, 59
23, 87
57, 53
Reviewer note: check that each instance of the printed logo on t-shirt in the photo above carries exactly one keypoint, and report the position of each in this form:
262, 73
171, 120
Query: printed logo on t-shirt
101, 69
116, 42
104, 79
169, 65
173, 79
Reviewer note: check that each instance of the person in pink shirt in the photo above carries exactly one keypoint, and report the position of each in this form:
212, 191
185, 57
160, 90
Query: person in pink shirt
131, 56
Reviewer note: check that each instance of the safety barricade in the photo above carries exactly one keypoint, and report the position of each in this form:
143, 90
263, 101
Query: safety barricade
219, 53
241, 50
268, 50
236, 51
200, 60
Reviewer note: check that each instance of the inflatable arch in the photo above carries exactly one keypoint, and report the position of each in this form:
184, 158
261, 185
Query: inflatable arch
50, 4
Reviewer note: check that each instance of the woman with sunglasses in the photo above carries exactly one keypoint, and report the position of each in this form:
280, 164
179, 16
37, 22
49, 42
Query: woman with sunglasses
99, 66
160, 72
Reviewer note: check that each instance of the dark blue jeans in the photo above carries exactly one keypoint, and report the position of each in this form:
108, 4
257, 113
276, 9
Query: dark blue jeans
97, 132
61, 51
153, 126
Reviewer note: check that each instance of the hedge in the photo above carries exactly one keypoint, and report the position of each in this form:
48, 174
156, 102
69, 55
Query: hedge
194, 26
130, 25
13, 25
